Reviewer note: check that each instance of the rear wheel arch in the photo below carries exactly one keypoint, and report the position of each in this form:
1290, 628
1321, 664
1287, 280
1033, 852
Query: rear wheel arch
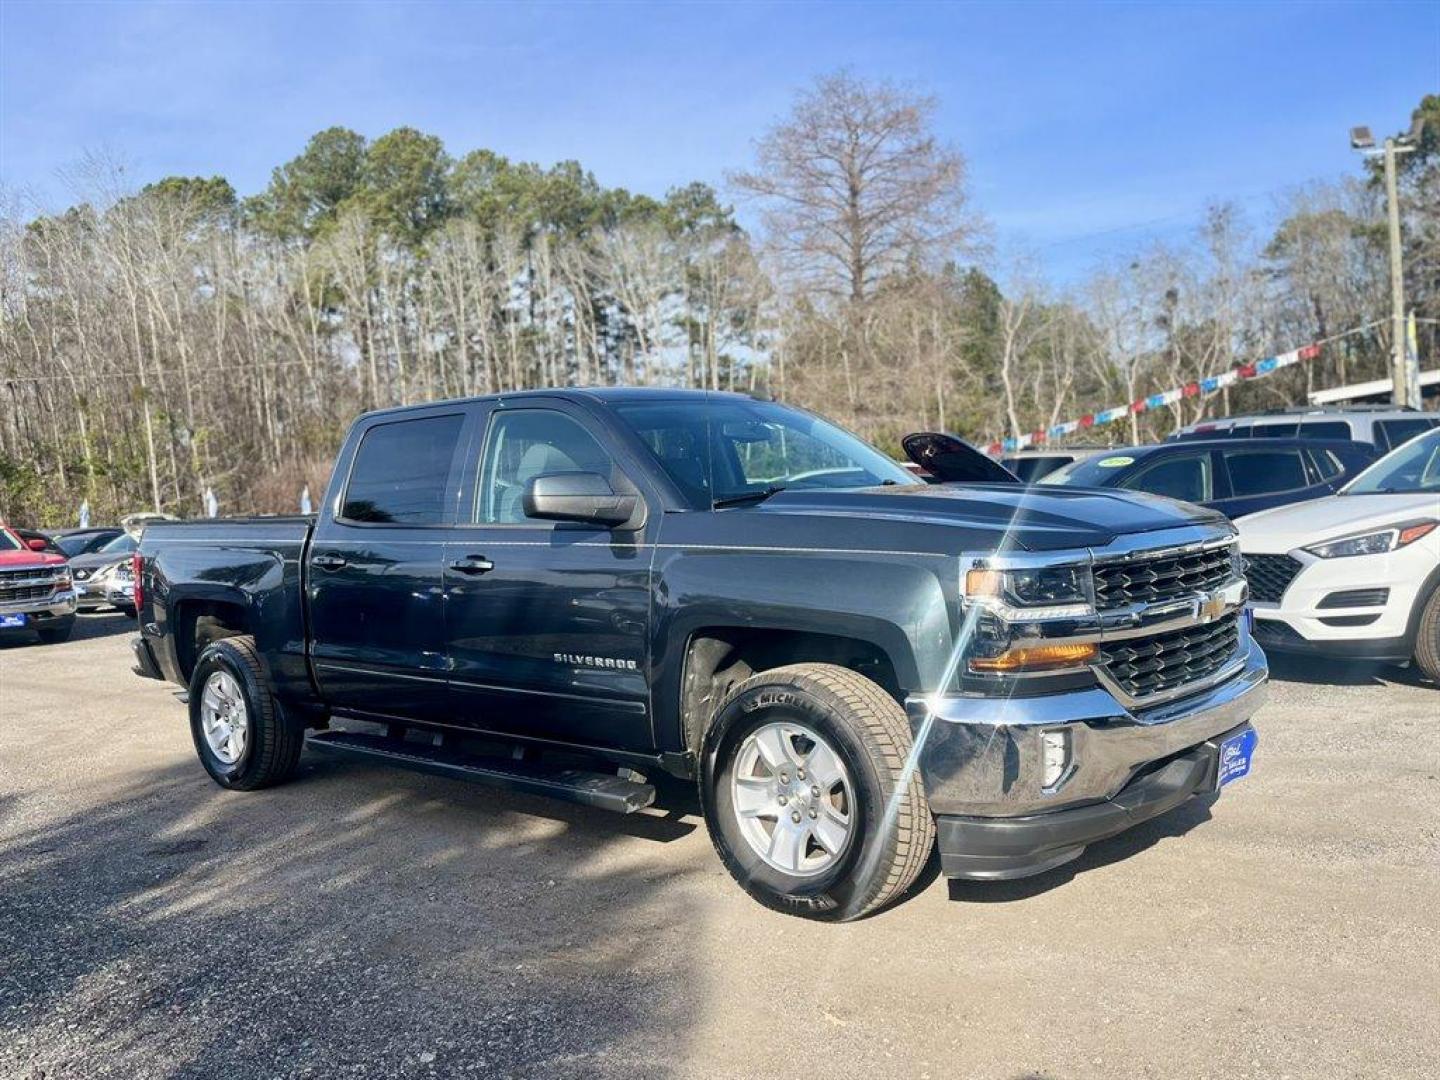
199, 621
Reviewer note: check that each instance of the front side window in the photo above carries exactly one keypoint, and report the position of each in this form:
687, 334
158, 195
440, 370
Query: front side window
724, 449
402, 471
1265, 472
9, 541
1183, 478
1412, 469
522, 445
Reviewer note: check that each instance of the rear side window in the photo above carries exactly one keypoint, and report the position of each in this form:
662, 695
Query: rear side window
1264, 472
1325, 429
402, 471
1274, 431
1185, 478
1391, 433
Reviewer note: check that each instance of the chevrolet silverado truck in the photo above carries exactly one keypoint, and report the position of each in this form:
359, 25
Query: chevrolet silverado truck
35, 590
585, 593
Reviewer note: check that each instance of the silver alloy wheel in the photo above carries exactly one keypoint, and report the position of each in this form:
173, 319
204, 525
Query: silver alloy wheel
224, 718
793, 798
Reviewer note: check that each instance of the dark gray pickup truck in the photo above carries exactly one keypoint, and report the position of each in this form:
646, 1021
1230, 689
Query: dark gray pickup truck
580, 593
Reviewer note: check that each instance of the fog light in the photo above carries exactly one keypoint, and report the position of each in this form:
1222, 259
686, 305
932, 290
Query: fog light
1054, 757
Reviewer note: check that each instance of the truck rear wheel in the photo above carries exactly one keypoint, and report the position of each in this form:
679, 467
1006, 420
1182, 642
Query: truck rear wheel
804, 783
1427, 638
243, 738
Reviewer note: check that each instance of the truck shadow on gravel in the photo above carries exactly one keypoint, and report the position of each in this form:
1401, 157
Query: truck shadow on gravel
87, 626
356, 921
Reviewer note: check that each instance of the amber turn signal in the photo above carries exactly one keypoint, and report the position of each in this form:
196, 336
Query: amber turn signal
1033, 657
1413, 533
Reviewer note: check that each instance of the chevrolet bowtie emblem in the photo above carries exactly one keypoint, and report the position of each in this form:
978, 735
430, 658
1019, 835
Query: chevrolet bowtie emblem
1210, 607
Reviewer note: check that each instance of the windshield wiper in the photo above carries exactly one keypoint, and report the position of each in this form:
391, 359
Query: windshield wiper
748, 497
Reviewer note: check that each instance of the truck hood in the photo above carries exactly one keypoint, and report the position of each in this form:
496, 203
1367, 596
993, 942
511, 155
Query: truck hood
1288, 527
12, 559
1036, 518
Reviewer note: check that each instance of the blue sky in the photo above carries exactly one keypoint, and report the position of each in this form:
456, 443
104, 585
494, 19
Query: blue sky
1089, 128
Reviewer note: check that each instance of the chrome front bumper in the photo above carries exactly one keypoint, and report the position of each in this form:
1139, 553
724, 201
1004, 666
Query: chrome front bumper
982, 757
60, 603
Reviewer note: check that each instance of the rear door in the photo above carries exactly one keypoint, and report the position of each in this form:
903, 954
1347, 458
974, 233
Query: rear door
548, 622
375, 580
1263, 476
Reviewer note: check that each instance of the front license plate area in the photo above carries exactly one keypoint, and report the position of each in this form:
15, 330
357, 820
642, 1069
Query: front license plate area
1234, 757
13, 622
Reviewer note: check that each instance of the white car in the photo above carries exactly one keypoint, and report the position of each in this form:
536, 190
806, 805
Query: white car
1357, 574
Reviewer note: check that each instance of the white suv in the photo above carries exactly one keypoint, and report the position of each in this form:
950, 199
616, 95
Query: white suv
1355, 575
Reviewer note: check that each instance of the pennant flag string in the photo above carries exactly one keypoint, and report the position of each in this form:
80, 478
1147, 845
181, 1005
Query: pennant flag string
1201, 387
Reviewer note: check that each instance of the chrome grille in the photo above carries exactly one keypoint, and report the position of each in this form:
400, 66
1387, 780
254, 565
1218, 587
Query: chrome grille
12, 594
1270, 576
1143, 667
1152, 579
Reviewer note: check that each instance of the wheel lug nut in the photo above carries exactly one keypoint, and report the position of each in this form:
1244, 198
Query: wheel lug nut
783, 800
795, 817
815, 790
800, 773
812, 813
784, 778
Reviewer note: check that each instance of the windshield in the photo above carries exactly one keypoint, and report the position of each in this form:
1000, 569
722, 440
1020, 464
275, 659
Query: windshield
9, 541
727, 449
121, 545
79, 543
1098, 471
1412, 468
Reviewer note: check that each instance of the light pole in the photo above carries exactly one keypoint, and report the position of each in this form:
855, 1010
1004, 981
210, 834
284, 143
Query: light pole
1405, 376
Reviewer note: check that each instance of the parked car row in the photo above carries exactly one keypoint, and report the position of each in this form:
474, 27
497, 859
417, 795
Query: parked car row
46, 577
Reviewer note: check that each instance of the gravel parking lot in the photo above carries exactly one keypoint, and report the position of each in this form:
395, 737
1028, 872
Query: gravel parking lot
364, 921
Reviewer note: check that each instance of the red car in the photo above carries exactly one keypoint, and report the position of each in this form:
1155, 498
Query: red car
35, 589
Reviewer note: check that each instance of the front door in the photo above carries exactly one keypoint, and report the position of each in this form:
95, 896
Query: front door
547, 621
375, 572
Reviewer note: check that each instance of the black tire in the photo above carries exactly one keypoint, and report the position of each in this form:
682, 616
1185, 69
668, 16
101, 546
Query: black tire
1427, 638
869, 731
55, 632
273, 742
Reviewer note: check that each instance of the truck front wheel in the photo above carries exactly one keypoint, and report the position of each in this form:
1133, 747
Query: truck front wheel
808, 796
243, 738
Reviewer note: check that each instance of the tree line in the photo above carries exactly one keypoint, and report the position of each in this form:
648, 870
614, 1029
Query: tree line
156, 343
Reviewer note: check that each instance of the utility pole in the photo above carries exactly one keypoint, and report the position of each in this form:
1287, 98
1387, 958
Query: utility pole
1398, 367
1405, 391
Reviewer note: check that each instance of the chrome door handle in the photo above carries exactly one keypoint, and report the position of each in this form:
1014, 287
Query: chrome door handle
472, 564
328, 562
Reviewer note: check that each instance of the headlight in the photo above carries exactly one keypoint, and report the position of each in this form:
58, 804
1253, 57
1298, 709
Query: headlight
1373, 543
1044, 592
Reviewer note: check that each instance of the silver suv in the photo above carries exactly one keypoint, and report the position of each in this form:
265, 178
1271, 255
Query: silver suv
1382, 426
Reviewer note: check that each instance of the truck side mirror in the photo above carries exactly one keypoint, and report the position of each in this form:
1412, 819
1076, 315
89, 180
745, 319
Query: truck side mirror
35, 543
578, 496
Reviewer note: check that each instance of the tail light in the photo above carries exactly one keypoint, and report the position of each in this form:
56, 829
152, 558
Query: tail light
137, 566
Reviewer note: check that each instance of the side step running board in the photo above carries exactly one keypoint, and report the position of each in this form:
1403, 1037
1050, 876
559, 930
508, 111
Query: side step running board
602, 790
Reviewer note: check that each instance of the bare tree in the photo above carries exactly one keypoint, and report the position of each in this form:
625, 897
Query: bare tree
854, 184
